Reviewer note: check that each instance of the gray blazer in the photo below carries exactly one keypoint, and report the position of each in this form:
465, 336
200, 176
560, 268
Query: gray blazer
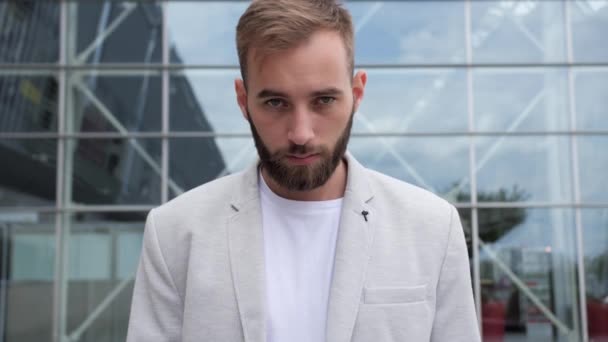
401, 275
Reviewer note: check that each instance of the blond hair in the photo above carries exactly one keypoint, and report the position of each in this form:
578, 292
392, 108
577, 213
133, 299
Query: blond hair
277, 25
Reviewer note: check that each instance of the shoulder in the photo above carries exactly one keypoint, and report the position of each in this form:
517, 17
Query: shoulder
414, 216
404, 201
404, 193
205, 201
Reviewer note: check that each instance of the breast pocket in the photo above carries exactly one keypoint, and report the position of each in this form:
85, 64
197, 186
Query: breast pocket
393, 314
394, 295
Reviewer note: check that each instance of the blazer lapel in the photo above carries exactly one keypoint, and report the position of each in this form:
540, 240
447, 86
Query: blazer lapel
246, 244
355, 237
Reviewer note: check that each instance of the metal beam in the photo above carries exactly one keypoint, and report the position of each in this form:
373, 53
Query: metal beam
61, 230
472, 166
580, 260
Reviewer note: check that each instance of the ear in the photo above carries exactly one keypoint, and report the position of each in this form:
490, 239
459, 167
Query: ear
241, 96
359, 81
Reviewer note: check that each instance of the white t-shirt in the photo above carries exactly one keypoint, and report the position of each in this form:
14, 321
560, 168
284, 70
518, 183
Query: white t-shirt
299, 246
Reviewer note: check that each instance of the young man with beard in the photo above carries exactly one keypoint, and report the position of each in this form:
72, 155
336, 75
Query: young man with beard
307, 245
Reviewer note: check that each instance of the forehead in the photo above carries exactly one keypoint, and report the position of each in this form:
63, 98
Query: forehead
319, 62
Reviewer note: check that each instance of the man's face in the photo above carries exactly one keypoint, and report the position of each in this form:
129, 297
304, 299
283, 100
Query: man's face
299, 103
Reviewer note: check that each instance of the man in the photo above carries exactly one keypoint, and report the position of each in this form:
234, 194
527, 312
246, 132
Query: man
306, 245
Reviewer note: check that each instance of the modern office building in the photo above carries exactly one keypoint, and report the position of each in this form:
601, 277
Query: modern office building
110, 108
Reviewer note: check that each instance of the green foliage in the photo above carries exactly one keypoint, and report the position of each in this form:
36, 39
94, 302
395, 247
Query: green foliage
494, 222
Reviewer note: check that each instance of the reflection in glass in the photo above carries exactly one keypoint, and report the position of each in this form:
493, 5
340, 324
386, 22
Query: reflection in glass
595, 239
589, 23
439, 165
195, 161
115, 171
27, 249
205, 101
28, 103
406, 101
116, 31
518, 31
591, 88
465, 220
28, 172
408, 32
117, 103
515, 169
200, 34
528, 275
29, 31
103, 252
521, 100
593, 161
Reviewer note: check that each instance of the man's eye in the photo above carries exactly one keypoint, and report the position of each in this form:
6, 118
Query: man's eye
275, 103
325, 100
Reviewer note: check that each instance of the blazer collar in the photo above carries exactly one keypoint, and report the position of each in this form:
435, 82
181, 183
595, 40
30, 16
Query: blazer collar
246, 244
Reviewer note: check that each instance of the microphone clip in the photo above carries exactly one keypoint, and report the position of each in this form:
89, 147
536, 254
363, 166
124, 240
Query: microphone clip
365, 213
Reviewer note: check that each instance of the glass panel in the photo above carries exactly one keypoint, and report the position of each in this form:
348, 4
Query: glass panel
400, 100
521, 100
204, 32
115, 32
27, 246
205, 100
116, 171
528, 257
591, 87
440, 165
431, 32
103, 257
519, 169
595, 238
408, 32
28, 172
589, 23
518, 31
117, 103
194, 161
29, 31
593, 165
28, 103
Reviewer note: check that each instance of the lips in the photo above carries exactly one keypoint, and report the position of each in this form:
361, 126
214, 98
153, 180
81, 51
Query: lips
302, 159
300, 156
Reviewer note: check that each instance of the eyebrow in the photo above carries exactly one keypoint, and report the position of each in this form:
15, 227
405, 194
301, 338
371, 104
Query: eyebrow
264, 93
270, 93
326, 92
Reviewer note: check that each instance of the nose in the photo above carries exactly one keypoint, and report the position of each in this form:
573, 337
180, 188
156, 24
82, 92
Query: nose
300, 127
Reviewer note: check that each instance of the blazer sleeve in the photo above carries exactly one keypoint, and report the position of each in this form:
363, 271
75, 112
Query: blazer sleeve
455, 318
156, 308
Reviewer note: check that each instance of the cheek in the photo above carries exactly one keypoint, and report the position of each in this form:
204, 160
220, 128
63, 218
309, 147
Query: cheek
270, 131
333, 125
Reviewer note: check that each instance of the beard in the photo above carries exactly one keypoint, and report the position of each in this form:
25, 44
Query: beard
301, 177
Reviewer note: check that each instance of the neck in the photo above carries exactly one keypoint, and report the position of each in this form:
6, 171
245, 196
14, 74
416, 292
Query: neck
332, 189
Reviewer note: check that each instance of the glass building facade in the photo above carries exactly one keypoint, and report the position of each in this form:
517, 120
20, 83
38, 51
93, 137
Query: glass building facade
110, 108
